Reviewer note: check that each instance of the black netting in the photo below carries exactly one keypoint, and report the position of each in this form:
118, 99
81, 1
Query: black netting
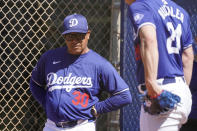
28, 28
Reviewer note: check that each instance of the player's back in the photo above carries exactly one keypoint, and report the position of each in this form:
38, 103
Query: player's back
173, 35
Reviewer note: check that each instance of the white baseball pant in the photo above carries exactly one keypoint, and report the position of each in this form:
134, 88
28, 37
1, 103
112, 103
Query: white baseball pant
84, 126
171, 121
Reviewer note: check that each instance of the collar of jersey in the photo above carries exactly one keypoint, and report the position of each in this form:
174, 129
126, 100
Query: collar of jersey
79, 56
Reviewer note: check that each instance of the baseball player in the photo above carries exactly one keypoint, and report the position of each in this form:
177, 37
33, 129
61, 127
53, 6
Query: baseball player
68, 80
164, 57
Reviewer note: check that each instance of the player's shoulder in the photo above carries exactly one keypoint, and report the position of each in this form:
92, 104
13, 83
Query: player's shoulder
185, 15
95, 57
54, 52
98, 60
179, 7
101, 63
138, 4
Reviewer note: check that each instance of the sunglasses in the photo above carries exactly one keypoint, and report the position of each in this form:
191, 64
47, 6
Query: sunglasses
77, 36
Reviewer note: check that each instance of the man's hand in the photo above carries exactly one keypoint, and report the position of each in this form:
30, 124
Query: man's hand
153, 89
163, 103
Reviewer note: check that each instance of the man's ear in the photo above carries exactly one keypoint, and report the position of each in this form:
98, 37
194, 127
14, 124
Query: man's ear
88, 34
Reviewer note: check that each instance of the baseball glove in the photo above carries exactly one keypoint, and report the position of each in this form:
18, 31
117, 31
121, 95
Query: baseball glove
163, 103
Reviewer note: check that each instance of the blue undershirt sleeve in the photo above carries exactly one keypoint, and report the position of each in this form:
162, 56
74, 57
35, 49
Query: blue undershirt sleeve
38, 92
114, 102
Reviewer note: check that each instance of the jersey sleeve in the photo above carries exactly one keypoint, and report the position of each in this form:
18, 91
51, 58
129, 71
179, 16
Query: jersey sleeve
115, 85
188, 36
140, 15
111, 80
38, 73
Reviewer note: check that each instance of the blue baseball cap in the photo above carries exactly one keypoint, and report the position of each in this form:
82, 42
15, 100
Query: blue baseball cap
75, 23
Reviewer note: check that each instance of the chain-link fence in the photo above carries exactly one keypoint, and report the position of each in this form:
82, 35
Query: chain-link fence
130, 114
29, 28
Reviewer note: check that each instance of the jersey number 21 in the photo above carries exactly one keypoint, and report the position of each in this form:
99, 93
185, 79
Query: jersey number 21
175, 37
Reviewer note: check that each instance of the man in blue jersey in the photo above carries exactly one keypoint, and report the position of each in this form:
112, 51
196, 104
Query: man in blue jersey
67, 81
163, 44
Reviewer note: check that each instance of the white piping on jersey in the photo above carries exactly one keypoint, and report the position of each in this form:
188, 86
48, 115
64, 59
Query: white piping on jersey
68, 87
37, 82
121, 91
187, 46
146, 23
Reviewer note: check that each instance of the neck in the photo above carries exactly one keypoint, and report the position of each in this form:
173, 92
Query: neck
85, 50
129, 2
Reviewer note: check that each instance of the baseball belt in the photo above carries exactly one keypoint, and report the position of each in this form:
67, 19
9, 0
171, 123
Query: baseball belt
163, 81
68, 124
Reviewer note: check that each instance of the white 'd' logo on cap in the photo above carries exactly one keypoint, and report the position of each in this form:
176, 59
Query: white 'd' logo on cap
73, 22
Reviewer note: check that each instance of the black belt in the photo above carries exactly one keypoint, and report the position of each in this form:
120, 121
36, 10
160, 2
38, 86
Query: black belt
66, 124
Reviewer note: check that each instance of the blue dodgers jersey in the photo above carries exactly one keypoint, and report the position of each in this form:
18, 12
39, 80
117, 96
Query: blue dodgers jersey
173, 34
74, 82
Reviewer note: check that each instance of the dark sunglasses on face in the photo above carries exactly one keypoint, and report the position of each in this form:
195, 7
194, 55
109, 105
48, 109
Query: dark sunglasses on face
77, 36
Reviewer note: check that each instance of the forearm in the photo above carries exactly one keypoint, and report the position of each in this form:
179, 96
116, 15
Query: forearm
188, 58
150, 58
38, 92
114, 102
187, 73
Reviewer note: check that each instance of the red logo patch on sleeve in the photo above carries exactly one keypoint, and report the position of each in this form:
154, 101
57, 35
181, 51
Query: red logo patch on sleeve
137, 52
